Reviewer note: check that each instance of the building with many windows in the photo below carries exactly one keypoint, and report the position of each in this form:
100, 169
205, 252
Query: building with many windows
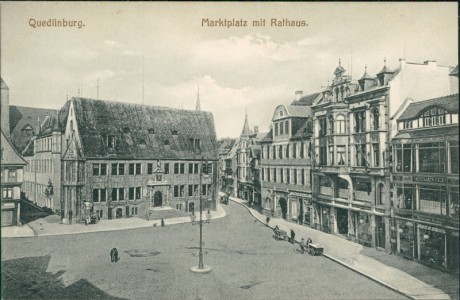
285, 161
122, 159
425, 182
225, 146
353, 126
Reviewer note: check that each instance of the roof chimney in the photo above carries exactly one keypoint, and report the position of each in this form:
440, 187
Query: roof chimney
298, 95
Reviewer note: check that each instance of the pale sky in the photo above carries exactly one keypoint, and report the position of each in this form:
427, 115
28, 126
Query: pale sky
239, 68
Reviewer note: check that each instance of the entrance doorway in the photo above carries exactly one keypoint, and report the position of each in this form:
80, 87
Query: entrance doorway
342, 221
191, 207
157, 199
283, 206
119, 213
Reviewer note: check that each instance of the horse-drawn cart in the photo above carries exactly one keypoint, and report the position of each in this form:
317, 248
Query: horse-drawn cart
315, 249
280, 234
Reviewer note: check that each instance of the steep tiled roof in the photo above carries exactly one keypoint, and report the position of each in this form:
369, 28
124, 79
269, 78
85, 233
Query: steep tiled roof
56, 122
306, 100
385, 69
268, 137
449, 103
298, 110
366, 76
20, 117
304, 132
130, 125
246, 130
428, 132
9, 154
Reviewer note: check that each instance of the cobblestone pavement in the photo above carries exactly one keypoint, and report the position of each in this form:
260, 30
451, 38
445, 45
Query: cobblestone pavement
247, 263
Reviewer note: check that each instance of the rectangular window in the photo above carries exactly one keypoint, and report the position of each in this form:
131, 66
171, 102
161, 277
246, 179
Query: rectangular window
103, 195
103, 169
361, 160
138, 169
121, 169
138, 192
95, 169
287, 151
190, 168
322, 126
131, 169
288, 176
176, 168
182, 168
203, 190
276, 129
280, 151
281, 128
121, 194
331, 155
340, 155
182, 190
282, 175
294, 150
190, 190
432, 158
131, 193
286, 127
295, 176
432, 199
301, 150
150, 168
95, 195
303, 177
114, 194
176, 191
322, 155
376, 150
274, 175
453, 207
114, 169
166, 166
195, 190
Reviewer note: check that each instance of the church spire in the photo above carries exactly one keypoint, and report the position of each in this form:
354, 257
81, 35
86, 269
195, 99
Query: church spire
246, 130
198, 105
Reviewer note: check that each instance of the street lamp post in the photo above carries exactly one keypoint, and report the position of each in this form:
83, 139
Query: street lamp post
201, 268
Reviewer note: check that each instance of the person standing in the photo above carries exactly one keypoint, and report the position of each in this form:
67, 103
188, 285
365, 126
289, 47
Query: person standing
292, 236
267, 220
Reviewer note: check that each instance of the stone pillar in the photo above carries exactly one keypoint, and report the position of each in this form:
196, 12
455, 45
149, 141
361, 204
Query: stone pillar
333, 221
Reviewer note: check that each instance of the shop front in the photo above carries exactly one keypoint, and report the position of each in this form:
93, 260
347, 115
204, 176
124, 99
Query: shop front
323, 218
360, 229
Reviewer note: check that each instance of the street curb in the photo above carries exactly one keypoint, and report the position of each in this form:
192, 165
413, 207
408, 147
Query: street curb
345, 264
155, 224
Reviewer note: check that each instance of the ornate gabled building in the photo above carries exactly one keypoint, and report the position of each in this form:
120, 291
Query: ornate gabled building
247, 164
425, 182
285, 165
225, 146
353, 126
122, 159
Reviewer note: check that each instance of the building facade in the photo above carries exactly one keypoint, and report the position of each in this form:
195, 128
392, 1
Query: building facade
122, 159
425, 183
285, 171
12, 165
353, 126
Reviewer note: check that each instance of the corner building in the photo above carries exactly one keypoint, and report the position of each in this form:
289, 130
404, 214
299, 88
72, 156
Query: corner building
122, 159
425, 183
353, 124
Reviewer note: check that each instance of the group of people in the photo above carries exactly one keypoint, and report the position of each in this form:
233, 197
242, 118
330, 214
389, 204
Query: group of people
303, 243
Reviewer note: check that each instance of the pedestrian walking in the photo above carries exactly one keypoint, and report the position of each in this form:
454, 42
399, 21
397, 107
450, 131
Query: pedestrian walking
162, 222
267, 220
292, 236
70, 216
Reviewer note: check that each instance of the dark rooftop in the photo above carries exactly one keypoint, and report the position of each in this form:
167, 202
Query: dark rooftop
449, 103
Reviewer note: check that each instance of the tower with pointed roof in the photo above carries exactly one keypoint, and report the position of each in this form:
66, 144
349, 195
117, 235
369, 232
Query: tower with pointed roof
365, 81
198, 104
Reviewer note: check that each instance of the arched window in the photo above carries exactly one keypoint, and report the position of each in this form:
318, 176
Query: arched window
340, 121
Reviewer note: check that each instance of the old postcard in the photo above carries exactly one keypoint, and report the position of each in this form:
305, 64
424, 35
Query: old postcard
229, 150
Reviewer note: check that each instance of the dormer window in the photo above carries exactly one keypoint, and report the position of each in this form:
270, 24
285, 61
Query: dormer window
281, 113
126, 130
166, 142
151, 131
434, 117
195, 144
111, 142
174, 132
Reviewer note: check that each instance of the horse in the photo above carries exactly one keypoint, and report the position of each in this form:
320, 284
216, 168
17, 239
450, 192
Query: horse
114, 255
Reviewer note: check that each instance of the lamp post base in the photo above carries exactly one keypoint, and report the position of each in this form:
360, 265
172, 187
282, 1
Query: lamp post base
205, 269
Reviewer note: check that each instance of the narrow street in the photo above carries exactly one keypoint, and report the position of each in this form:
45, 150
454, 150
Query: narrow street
247, 263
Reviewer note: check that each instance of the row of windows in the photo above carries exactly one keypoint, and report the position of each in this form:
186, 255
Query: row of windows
331, 156
337, 125
431, 120
192, 190
294, 150
281, 127
7, 193
194, 144
45, 144
136, 168
286, 175
427, 157
30, 188
132, 193
39, 166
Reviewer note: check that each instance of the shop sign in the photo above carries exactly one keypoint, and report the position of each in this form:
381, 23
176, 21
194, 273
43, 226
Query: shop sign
7, 205
429, 220
428, 179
